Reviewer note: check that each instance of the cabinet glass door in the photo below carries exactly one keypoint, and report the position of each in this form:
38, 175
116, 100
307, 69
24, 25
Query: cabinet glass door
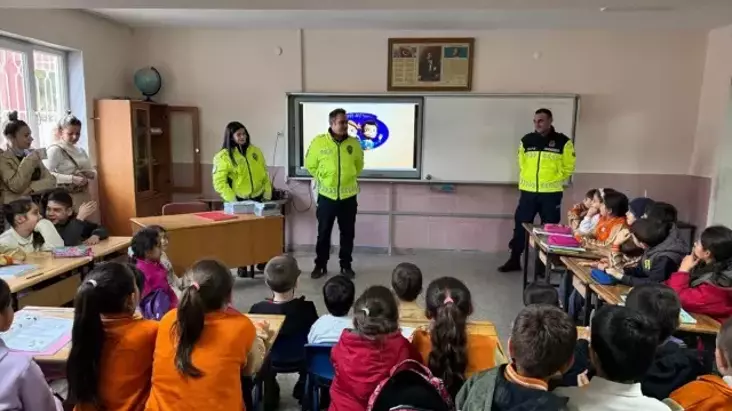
141, 147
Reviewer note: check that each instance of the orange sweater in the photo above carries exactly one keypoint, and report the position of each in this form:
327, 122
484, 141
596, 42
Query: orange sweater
707, 393
605, 233
483, 351
126, 365
220, 354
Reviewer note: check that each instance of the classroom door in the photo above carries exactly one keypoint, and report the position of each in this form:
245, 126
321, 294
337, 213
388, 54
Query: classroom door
721, 208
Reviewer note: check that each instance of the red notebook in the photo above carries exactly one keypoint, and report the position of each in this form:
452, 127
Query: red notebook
215, 216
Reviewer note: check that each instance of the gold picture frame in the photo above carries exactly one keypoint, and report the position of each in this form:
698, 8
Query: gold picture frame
430, 64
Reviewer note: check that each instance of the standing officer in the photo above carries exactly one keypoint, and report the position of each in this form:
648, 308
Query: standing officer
335, 160
546, 160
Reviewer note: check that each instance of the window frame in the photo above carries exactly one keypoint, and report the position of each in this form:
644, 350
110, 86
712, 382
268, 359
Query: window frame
27, 48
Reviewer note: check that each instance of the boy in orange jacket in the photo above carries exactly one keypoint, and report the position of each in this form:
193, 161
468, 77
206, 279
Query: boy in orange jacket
709, 392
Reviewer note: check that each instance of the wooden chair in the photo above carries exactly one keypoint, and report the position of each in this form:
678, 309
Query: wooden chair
185, 208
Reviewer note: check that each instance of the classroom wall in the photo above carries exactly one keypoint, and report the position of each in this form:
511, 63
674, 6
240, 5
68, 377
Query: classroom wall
713, 144
640, 95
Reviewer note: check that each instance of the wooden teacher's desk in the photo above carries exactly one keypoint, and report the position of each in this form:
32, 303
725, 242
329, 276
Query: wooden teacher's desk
239, 242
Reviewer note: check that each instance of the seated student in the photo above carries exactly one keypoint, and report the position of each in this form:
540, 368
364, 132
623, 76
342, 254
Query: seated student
592, 217
709, 392
175, 282
673, 365
541, 293
624, 252
28, 230
338, 295
280, 275
22, 384
202, 348
146, 253
611, 223
577, 213
448, 349
667, 213
661, 257
704, 279
541, 346
406, 281
74, 228
638, 208
111, 358
622, 349
364, 356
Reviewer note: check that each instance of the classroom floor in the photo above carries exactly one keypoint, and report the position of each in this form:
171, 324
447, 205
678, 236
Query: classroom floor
497, 297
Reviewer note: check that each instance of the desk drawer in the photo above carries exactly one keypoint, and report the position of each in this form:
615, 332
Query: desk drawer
54, 295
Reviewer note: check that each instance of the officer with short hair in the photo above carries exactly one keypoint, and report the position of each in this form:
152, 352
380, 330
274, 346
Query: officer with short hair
335, 160
546, 160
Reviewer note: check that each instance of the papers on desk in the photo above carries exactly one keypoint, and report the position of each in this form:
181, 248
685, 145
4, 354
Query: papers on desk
543, 232
11, 271
408, 332
684, 316
37, 334
567, 250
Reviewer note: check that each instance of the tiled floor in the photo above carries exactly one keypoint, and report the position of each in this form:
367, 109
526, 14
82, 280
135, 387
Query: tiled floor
497, 297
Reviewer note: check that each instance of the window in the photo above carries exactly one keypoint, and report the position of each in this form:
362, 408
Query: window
33, 81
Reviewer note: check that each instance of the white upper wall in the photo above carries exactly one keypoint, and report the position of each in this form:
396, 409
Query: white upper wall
639, 88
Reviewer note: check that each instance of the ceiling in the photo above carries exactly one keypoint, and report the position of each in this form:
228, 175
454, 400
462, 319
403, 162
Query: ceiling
705, 17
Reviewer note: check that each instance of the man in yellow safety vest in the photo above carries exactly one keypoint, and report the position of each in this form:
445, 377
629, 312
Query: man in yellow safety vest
335, 160
546, 161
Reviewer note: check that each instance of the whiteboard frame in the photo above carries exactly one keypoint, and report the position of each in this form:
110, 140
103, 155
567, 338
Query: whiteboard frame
291, 137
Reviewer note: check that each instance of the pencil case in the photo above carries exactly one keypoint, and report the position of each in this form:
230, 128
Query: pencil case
70, 252
602, 277
557, 229
563, 241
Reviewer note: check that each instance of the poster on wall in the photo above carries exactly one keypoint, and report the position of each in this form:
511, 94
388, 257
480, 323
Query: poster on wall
430, 64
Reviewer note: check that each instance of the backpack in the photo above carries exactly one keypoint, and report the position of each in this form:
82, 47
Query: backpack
155, 305
410, 386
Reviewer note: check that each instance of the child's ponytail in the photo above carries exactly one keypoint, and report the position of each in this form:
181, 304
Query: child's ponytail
449, 304
210, 290
376, 312
108, 289
191, 316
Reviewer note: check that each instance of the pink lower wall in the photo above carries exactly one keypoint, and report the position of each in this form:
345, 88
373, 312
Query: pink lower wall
480, 216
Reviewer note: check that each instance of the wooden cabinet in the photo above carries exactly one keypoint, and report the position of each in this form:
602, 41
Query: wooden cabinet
135, 146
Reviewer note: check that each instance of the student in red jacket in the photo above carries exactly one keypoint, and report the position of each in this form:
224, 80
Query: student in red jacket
364, 356
704, 280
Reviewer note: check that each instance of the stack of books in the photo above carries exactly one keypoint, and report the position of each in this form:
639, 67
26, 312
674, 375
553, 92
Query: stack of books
240, 207
267, 208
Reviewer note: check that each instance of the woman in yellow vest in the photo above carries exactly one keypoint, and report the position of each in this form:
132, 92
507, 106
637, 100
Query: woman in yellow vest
240, 172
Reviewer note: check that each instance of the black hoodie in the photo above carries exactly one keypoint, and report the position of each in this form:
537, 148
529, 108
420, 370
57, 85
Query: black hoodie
659, 262
673, 366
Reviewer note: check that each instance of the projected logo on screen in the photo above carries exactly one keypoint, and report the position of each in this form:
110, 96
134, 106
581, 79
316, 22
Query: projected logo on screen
368, 129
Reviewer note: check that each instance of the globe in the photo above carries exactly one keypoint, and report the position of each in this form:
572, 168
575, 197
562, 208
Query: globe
148, 81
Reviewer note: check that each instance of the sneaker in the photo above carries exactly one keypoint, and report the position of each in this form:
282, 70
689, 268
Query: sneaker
348, 272
318, 272
513, 264
243, 272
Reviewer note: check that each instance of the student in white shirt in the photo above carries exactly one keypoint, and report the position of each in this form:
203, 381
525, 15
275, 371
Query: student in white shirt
28, 230
338, 294
622, 347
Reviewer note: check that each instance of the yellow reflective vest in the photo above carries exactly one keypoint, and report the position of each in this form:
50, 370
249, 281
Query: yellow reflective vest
335, 166
245, 177
545, 162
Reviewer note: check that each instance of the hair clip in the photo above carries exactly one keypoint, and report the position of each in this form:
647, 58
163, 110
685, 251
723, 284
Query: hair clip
195, 285
92, 282
448, 300
366, 310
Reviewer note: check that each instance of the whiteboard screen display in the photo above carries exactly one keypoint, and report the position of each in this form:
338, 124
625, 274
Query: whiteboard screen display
387, 131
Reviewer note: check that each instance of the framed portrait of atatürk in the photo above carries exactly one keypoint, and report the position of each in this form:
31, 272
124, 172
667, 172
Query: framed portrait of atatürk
430, 64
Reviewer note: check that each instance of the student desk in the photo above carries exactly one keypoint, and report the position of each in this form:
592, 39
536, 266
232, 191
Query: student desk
60, 358
474, 327
111, 248
53, 283
242, 241
544, 254
613, 294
